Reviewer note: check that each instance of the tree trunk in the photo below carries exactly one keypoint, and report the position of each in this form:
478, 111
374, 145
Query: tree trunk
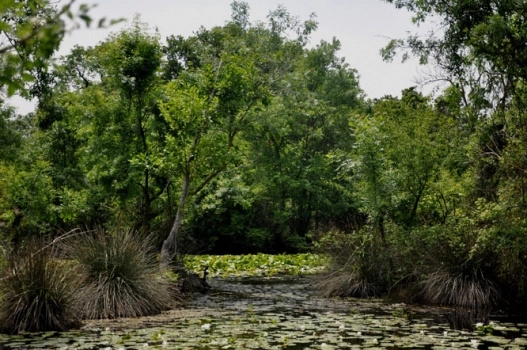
169, 248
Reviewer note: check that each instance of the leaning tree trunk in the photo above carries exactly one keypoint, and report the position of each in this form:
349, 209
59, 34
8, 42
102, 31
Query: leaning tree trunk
169, 248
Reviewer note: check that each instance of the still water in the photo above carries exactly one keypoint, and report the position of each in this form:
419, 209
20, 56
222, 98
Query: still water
283, 313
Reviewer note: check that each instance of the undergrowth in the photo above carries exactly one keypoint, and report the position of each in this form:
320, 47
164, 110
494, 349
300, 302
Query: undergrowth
410, 267
358, 267
119, 275
36, 291
471, 290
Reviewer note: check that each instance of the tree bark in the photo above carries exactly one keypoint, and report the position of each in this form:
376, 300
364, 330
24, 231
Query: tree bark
169, 248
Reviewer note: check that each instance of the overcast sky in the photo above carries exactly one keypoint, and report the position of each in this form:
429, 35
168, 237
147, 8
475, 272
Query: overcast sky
362, 26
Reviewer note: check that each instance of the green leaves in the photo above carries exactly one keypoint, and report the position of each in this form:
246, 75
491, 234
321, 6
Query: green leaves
402, 148
185, 108
33, 31
256, 264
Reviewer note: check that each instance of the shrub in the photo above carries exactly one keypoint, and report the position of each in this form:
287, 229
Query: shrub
342, 283
359, 266
37, 291
455, 268
119, 275
466, 289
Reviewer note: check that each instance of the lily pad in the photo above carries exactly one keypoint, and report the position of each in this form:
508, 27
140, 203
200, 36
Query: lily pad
273, 312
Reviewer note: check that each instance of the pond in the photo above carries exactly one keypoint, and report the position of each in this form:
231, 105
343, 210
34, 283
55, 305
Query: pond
280, 313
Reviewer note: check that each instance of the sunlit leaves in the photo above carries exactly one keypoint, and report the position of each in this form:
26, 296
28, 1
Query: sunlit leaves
401, 151
185, 108
256, 264
189, 114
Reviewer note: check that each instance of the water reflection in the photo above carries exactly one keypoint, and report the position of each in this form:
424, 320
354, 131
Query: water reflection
465, 319
265, 313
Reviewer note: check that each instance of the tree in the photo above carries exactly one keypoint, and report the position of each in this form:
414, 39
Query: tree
481, 54
222, 76
295, 146
480, 48
31, 33
117, 120
402, 149
33, 30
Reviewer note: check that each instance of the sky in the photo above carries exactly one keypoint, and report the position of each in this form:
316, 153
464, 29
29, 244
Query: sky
362, 26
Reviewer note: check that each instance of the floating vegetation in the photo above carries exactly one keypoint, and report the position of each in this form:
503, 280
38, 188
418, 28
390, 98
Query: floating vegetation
256, 264
277, 313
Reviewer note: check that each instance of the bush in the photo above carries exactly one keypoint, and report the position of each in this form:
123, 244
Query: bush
119, 275
37, 291
437, 265
360, 265
455, 268
469, 289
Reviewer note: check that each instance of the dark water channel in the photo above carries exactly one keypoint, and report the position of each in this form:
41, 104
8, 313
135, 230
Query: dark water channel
283, 313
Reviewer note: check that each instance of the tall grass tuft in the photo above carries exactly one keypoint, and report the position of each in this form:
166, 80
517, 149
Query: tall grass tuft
465, 289
343, 284
36, 291
119, 275
466, 278
359, 266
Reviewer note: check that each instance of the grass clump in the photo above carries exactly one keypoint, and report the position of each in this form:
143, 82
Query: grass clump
119, 275
411, 266
465, 289
454, 268
359, 266
36, 291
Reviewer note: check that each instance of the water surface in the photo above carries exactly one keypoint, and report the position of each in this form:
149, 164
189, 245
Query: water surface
282, 313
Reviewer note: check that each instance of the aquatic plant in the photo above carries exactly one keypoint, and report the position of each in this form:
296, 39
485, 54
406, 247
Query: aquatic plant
485, 329
256, 264
119, 275
36, 290
270, 315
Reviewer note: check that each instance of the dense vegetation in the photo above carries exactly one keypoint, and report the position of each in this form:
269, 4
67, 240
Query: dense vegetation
249, 138
256, 264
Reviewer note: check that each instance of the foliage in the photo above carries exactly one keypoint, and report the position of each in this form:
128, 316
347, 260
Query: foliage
410, 178
32, 31
119, 275
247, 138
359, 266
472, 291
120, 135
33, 202
485, 329
25, 199
37, 290
117, 143
404, 150
292, 149
10, 138
478, 52
256, 264
222, 78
